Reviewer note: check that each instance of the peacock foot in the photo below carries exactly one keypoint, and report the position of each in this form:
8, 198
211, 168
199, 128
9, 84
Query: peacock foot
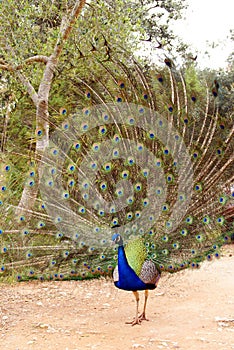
135, 321
142, 317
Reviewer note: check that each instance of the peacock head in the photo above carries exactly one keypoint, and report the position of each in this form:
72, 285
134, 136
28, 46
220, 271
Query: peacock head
117, 239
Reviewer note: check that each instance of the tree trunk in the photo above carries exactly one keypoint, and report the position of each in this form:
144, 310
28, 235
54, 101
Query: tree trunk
29, 194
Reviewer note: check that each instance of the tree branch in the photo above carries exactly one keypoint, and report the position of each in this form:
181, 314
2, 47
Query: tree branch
7, 67
30, 60
37, 58
30, 89
65, 29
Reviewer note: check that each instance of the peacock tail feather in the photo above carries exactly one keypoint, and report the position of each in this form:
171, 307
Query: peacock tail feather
135, 146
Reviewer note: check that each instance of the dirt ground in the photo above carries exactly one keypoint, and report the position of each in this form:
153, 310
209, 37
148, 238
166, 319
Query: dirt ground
193, 310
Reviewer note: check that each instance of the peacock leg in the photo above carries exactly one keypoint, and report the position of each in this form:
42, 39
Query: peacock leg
142, 316
137, 319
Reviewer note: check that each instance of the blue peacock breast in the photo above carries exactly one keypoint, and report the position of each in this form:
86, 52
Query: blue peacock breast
133, 284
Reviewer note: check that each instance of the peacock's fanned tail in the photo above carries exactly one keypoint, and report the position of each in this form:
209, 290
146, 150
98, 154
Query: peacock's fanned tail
140, 148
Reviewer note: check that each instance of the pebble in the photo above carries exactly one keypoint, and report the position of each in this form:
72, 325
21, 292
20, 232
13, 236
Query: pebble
136, 346
39, 303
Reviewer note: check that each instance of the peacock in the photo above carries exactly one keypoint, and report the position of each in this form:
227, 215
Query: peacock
139, 150
134, 272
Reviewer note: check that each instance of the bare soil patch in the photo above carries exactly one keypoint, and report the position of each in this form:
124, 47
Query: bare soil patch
193, 309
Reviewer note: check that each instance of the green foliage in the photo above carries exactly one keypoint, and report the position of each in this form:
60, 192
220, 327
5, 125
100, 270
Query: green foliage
194, 84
